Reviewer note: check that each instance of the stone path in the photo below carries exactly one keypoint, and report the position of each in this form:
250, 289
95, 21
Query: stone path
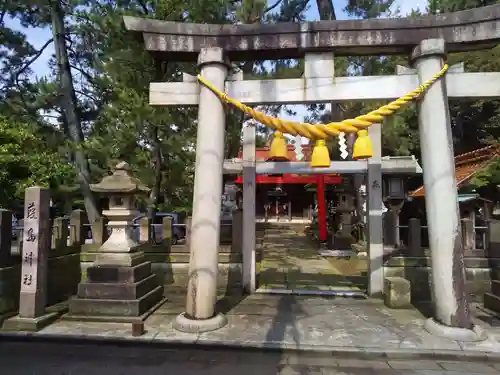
58, 359
340, 326
291, 261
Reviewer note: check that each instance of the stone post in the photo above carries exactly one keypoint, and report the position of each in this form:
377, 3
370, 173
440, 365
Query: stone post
145, 230
5, 237
493, 238
248, 248
200, 315
187, 222
468, 235
237, 232
375, 208
36, 238
415, 238
166, 229
100, 231
64, 231
452, 318
58, 240
78, 221
390, 227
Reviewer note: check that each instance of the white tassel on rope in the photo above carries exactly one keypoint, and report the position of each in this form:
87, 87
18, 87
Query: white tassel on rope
297, 147
343, 146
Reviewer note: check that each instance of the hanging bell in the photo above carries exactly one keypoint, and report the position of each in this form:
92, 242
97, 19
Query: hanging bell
363, 148
278, 150
320, 156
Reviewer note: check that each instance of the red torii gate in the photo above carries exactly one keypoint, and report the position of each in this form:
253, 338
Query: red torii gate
320, 180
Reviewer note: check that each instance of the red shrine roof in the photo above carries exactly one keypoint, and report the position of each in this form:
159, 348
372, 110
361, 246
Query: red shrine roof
262, 153
466, 165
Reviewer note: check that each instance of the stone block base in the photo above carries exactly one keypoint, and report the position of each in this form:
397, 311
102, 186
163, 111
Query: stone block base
113, 274
7, 315
19, 323
185, 324
121, 291
397, 292
116, 307
127, 291
492, 302
102, 317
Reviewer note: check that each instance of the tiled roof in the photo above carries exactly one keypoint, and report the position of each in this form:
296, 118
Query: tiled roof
466, 165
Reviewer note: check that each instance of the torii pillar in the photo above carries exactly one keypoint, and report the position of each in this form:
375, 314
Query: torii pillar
451, 316
200, 315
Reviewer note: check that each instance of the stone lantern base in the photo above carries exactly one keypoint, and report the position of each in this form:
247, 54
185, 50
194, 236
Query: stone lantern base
120, 287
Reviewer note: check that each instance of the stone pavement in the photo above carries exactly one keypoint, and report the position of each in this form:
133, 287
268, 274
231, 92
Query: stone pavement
353, 327
31, 358
291, 260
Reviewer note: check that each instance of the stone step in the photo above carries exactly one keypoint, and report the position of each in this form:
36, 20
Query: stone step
495, 287
282, 229
225, 256
475, 253
492, 302
110, 307
407, 261
117, 291
179, 291
105, 274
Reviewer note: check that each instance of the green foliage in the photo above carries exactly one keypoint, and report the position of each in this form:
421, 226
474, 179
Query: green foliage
111, 73
487, 176
25, 160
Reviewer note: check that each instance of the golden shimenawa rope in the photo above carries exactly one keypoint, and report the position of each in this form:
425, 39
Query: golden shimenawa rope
322, 131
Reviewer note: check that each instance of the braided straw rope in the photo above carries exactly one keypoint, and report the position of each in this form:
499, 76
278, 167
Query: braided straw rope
323, 131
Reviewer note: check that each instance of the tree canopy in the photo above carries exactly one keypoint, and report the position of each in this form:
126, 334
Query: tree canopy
70, 126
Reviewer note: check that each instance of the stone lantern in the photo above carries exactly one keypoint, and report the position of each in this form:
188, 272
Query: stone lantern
343, 239
121, 188
120, 285
394, 196
394, 189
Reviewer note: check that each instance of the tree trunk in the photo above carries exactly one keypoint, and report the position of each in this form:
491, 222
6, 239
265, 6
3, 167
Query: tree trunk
326, 10
68, 102
155, 192
157, 160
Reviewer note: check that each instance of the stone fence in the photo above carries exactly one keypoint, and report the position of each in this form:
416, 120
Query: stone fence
411, 260
414, 240
72, 252
172, 265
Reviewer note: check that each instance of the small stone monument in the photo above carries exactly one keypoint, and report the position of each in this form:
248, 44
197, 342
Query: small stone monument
343, 239
36, 246
120, 285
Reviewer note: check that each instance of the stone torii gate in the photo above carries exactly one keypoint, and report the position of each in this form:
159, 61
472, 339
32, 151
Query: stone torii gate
426, 39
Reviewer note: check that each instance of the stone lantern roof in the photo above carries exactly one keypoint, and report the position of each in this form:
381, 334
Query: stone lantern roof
121, 181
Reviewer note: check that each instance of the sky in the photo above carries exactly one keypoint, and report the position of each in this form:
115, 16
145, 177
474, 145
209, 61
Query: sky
38, 37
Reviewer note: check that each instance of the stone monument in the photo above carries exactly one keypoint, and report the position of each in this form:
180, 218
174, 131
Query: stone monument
120, 285
36, 246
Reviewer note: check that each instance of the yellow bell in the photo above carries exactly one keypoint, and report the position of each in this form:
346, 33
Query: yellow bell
320, 156
278, 149
363, 146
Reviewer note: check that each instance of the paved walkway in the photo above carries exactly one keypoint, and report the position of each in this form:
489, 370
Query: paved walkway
362, 328
58, 359
291, 261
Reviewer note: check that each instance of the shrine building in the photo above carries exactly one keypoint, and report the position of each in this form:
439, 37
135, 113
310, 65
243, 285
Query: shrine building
288, 197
